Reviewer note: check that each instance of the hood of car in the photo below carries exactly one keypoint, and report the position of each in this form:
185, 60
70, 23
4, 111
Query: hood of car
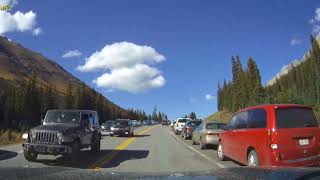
64, 128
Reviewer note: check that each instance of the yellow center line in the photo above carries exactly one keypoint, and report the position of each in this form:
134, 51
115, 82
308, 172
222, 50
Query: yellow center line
107, 158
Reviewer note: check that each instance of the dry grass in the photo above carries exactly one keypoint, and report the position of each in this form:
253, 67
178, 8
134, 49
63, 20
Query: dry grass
221, 116
10, 137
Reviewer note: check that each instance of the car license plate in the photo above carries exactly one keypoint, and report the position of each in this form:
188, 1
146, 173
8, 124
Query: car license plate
41, 149
304, 142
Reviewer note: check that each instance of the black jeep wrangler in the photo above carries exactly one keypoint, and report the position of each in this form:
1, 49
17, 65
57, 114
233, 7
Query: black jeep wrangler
63, 132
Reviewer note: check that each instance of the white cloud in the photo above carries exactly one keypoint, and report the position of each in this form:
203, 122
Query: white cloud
72, 53
209, 97
119, 55
37, 31
295, 42
128, 67
18, 22
315, 21
138, 78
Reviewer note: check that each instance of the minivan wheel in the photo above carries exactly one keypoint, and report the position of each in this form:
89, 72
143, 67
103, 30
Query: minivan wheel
30, 156
253, 158
220, 152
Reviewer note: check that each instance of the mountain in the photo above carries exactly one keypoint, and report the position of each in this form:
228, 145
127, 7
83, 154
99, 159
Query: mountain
17, 64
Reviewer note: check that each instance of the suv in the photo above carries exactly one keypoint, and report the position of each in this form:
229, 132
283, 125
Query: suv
122, 127
272, 135
188, 129
179, 125
63, 132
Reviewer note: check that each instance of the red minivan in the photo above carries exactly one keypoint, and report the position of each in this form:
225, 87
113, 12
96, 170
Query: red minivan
272, 135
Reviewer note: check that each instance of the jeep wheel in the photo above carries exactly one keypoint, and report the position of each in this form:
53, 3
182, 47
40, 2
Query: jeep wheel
30, 156
95, 147
75, 151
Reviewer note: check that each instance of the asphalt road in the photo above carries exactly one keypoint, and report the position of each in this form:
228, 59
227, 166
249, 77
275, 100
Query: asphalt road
153, 149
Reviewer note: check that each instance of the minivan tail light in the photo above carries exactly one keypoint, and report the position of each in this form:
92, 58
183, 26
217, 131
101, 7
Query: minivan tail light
274, 146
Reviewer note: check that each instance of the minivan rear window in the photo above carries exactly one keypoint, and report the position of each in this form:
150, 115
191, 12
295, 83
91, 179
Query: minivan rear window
296, 118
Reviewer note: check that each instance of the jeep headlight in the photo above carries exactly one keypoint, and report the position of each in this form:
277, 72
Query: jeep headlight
59, 136
33, 134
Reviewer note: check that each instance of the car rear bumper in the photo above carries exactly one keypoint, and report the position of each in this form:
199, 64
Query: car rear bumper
212, 140
301, 162
47, 149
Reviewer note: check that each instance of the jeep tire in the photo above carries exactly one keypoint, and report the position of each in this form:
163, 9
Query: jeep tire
30, 156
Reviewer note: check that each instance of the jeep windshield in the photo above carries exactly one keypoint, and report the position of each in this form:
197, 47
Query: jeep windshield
62, 117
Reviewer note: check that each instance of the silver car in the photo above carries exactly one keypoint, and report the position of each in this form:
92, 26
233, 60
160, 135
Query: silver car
207, 133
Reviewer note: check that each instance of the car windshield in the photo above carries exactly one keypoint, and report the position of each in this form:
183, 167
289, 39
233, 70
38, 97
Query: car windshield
121, 123
296, 118
214, 125
62, 117
109, 123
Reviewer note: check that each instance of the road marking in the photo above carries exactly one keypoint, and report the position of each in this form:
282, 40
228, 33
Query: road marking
107, 158
201, 154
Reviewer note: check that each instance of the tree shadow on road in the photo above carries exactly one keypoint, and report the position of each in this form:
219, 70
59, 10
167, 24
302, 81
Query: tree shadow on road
88, 158
7, 154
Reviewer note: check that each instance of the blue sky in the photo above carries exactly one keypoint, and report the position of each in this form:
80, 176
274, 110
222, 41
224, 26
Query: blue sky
197, 39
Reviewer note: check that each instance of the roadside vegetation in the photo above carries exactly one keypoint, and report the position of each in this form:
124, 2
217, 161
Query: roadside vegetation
301, 85
10, 137
220, 116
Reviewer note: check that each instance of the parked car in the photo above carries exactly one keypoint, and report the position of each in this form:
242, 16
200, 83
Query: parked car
179, 124
122, 127
207, 133
63, 132
188, 129
105, 127
172, 124
272, 135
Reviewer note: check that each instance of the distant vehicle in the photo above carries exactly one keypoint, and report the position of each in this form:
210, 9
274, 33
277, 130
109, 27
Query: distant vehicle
179, 125
165, 123
105, 127
187, 130
135, 123
147, 122
63, 132
272, 135
122, 127
172, 124
207, 133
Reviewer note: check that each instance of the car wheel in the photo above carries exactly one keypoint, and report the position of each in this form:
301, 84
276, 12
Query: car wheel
202, 145
220, 152
185, 137
30, 156
193, 142
132, 134
253, 158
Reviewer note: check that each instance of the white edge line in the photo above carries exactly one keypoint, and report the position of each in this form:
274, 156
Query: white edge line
193, 149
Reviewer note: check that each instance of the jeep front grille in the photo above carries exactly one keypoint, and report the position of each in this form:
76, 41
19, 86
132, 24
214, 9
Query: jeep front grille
45, 137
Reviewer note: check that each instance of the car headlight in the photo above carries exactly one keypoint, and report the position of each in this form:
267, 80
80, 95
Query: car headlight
102, 127
32, 134
112, 128
59, 136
